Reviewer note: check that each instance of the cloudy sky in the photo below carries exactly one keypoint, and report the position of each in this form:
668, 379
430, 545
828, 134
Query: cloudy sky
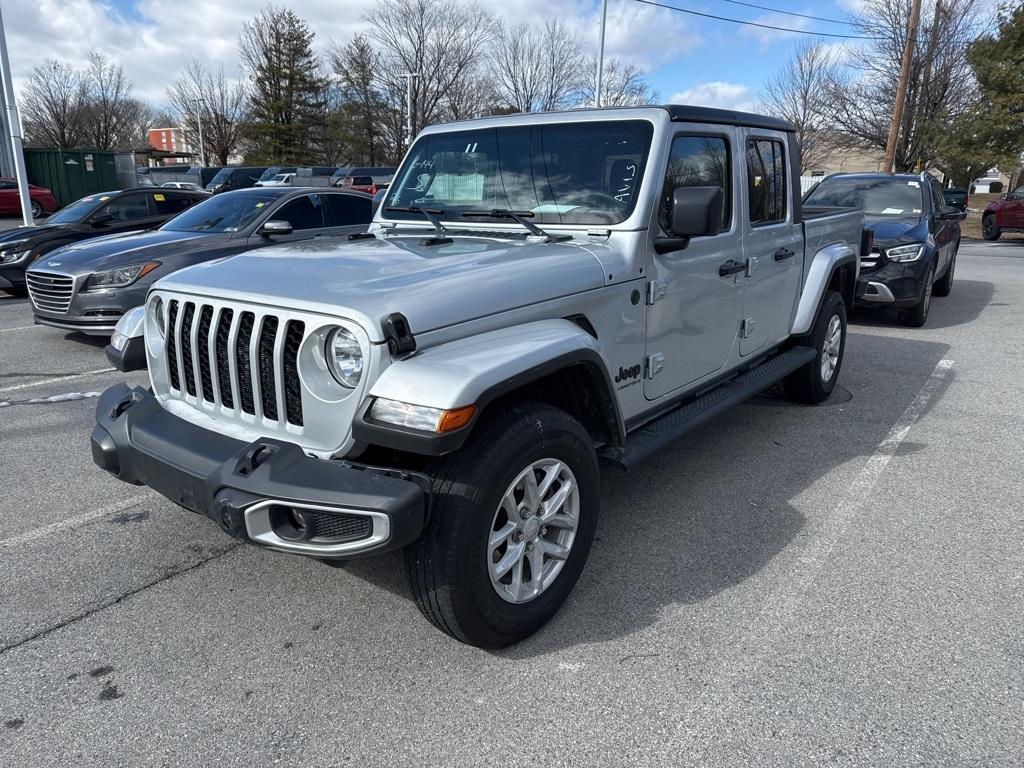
688, 58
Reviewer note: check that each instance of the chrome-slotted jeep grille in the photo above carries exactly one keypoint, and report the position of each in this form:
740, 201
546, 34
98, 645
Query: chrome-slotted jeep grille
242, 361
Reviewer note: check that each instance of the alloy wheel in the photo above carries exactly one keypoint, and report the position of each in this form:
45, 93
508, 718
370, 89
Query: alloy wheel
831, 348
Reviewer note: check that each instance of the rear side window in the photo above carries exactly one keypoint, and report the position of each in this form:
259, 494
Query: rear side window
128, 208
305, 213
766, 181
696, 161
348, 209
170, 204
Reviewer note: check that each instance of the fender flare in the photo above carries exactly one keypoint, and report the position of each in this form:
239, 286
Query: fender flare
476, 371
823, 266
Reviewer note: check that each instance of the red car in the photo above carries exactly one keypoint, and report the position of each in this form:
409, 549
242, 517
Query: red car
10, 202
1003, 215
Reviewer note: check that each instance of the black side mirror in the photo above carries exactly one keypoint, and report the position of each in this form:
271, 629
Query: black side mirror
696, 212
276, 227
952, 213
100, 219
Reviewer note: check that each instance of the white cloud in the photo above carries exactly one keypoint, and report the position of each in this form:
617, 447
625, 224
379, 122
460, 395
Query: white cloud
718, 94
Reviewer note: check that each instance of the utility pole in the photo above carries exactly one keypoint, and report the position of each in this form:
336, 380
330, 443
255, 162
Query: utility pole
600, 55
14, 125
901, 87
408, 105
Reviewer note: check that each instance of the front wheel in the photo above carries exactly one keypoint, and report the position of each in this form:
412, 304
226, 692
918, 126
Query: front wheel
814, 382
989, 230
917, 315
944, 286
37, 209
512, 522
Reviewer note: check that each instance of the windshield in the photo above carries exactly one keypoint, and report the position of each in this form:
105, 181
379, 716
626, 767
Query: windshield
78, 210
221, 213
222, 176
879, 197
563, 173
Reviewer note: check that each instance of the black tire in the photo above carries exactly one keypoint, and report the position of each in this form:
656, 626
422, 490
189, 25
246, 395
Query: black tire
944, 285
448, 566
808, 384
989, 230
917, 315
37, 209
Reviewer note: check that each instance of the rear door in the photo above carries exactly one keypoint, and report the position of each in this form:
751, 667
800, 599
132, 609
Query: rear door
772, 243
10, 203
693, 311
131, 211
347, 213
1011, 213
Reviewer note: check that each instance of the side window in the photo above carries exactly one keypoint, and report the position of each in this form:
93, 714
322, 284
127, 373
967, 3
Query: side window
8, 184
128, 208
305, 213
347, 210
766, 181
169, 204
696, 161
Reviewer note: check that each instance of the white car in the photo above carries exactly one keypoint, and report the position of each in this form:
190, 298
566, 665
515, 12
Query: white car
182, 185
278, 180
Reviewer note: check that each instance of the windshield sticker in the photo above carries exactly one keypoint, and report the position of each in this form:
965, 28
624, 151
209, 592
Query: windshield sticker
104, 199
891, 211
914, 184
158, 197
260, 205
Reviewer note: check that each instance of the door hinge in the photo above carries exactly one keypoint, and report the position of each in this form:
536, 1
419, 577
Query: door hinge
751, 265
747, 328
656, 290
653, 365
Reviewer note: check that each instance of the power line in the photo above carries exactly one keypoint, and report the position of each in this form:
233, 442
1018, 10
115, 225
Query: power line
788, 13
756, 24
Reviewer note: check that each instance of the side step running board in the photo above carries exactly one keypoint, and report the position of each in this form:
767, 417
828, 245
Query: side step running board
665, 429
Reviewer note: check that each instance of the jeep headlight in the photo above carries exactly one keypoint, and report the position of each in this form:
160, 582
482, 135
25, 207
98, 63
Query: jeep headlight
120, 277
158, 315
903, 253
13, 251
421, 418
344, 357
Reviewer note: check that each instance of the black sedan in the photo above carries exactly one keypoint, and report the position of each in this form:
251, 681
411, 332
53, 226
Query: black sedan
86, 287
916, 238
104, 213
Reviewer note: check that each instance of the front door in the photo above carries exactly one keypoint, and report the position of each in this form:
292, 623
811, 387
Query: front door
773, 245
1011, 214
693, 311
306, 215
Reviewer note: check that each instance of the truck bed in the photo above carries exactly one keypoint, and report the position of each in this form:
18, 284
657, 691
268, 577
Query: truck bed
825, 225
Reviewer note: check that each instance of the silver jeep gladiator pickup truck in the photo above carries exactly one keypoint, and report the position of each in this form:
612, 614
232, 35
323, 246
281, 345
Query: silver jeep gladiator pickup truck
538, 295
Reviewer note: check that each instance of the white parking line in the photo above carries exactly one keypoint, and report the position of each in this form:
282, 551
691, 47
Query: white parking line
19, 328
55, 380
74, 522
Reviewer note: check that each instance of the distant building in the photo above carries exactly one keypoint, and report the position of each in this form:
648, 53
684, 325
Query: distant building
171, 141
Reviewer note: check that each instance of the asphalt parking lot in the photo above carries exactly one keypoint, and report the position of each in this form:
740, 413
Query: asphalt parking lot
787, 586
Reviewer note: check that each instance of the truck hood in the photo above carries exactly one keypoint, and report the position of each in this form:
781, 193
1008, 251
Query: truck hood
119, 250
367, 280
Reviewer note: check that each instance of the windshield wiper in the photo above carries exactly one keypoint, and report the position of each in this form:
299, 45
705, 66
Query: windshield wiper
521, 218
433, 215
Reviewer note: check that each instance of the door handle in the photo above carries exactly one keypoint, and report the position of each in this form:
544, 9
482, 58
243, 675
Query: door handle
784, 253
732, 267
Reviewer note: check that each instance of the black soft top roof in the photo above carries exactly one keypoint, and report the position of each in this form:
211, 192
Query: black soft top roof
689, 114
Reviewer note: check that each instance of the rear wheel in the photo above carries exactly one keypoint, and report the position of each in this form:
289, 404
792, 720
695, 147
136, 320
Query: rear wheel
945, 285
37, 209
815, 381
989, 230
917, 315
511, 526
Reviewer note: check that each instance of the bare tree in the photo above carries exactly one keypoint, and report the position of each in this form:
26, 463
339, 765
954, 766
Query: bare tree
800, 93
940, 87
113, 116
52, 106
444, 43
216, 100
622, 85
537, 70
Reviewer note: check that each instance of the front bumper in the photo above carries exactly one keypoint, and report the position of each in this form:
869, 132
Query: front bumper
250, 490
12, 276
893, 284
94, 313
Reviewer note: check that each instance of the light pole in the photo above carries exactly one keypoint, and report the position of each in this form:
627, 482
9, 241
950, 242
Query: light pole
199, 120
14, 125
600, 55
408, 105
